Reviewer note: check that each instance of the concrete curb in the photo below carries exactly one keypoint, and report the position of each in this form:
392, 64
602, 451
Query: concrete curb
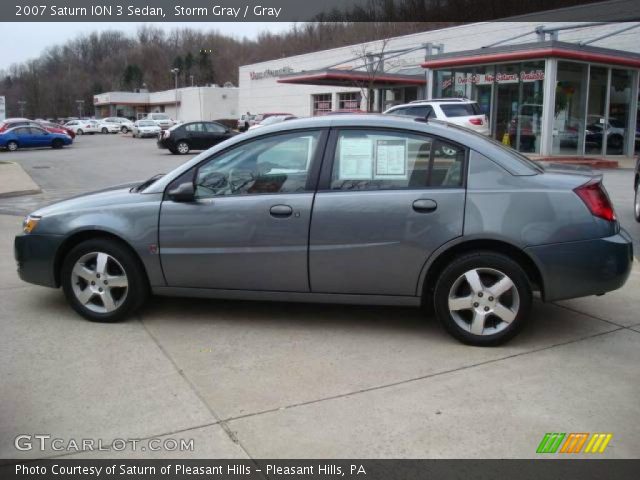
14, 181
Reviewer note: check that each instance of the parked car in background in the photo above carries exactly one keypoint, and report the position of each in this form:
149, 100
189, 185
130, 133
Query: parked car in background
183, 138
459, 111
272, 120
125, 125
25, 122
145, 128
32, 137
55, 128
245, 121
163, 120
82, 127
109, 126
598, 127
636, 187
371, 209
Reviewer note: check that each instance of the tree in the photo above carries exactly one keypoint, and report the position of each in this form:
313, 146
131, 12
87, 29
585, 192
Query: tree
132, 77
188, 66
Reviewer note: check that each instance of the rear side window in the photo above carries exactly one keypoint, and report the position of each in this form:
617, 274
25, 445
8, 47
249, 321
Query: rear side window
194, 127
379, 160
460, 109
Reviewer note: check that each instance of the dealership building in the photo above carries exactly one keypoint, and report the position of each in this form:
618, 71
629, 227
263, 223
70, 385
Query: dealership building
184, 104
552, 89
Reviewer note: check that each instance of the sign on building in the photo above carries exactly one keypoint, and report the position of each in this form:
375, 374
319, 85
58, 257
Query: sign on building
3, 110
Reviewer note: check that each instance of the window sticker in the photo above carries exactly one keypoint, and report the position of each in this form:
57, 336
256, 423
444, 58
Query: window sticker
356, 159
391, 159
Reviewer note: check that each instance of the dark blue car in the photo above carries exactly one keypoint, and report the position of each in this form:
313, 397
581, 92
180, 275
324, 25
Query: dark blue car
32, 137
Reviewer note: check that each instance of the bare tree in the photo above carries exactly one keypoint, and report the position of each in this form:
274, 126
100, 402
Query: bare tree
371, 61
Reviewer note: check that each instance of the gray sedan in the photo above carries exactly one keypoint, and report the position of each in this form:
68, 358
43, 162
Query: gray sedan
359, 209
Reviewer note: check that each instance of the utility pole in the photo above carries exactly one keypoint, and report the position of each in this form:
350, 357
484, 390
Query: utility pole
191, 80
175, 72
80, 104
22, 104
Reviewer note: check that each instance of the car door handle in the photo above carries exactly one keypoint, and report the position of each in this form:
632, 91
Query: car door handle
425, 205
281, 211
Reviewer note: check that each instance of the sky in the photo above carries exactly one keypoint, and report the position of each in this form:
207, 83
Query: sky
30, 39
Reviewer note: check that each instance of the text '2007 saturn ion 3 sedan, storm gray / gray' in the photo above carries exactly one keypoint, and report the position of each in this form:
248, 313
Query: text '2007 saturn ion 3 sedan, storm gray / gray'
352, 209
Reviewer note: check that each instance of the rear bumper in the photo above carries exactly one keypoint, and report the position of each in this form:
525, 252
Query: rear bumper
589, 267
35, 256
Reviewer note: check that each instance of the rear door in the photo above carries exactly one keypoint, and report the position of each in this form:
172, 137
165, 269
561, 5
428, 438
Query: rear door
386, 200
196, 135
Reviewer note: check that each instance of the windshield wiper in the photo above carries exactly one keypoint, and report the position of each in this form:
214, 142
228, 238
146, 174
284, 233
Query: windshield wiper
147, 183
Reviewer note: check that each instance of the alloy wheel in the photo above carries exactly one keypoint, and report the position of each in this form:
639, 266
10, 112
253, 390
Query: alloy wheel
99, 282
79, 132
12, 146
183, 148
483, 301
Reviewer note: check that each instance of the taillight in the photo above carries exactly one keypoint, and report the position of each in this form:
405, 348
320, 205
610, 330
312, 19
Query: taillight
476, 121
595, 197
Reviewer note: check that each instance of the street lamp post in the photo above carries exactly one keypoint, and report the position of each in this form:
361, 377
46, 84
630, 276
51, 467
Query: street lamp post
22, 104
175, 72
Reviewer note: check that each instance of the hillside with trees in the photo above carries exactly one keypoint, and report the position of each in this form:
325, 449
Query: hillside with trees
111, 60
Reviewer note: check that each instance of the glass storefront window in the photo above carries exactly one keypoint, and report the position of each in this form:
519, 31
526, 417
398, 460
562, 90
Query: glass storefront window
569, 121
617, 129
596, 110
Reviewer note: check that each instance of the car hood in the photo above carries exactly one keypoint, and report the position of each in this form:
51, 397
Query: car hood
110, 196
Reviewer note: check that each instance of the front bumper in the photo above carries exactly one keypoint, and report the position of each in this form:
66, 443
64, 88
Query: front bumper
589, 267
35, 255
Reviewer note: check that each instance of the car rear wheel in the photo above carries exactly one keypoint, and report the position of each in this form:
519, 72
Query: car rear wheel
79, 132
124, 130
483, 298
103, 281
105, 130
182, 148
12, 146
57, 143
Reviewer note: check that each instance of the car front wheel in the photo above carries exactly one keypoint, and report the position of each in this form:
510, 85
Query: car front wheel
483, 298
103, 281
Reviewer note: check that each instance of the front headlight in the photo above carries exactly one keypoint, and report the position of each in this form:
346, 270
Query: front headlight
30, 223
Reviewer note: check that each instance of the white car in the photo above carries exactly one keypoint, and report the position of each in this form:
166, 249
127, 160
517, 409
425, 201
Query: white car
125, 125
145, 128
459, 111
272, 120
162, 120
81, 127
108, 126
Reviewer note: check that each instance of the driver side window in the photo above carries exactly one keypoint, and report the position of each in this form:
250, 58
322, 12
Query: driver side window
273, 164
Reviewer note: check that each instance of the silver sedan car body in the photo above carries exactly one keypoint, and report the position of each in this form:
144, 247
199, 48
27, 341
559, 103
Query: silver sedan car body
145, 128
355, 209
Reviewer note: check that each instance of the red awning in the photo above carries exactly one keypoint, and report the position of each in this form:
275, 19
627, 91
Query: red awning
351, 78
478, 58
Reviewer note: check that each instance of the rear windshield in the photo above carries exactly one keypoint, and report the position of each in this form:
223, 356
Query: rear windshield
160, 116
460, 109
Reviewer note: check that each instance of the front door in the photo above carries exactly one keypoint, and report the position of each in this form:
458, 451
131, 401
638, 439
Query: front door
248, 227
389, 200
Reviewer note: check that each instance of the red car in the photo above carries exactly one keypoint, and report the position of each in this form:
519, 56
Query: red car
25, 122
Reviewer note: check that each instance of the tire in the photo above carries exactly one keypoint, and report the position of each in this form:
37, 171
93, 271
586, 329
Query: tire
182, 147
102, 302
105, 130
79, 132
173, 151
124, 130
57, 144
636, 202
495, 318
12, 146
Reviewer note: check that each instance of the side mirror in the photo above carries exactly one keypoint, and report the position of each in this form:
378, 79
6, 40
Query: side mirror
183, 193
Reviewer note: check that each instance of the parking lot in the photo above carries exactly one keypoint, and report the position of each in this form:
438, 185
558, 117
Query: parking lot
263, 380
